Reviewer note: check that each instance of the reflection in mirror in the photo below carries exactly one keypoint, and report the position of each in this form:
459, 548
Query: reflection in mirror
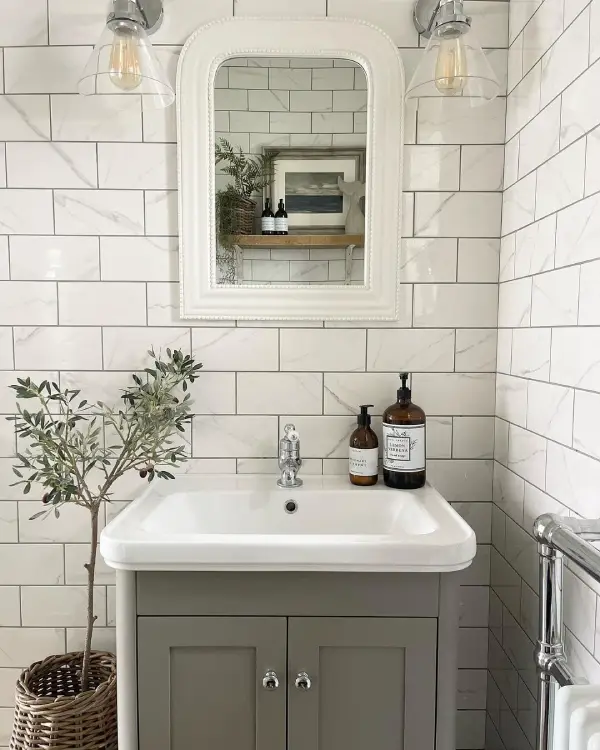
291, 165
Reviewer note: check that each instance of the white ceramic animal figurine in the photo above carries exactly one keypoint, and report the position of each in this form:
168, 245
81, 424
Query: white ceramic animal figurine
355, 219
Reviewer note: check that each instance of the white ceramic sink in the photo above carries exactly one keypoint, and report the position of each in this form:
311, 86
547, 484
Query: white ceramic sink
238, 522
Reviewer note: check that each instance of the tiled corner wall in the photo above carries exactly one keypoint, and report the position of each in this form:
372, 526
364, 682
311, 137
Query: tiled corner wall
88, 250
548, 393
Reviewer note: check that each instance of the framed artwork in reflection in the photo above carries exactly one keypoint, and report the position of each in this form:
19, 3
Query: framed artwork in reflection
308, 182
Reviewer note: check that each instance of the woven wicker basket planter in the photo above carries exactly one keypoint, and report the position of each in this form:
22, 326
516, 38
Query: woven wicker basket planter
243, 217
51, 713
238, 217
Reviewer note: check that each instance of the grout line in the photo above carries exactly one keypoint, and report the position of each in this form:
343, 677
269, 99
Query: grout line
103, 363
56, 292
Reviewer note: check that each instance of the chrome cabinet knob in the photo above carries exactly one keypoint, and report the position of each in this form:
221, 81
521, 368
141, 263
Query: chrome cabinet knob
270, 681
303, 681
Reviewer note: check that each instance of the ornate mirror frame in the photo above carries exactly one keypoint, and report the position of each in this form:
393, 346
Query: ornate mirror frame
207, 48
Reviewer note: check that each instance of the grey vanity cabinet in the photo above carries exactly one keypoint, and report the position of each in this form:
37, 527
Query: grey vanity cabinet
200, 683
364, 661
350, 683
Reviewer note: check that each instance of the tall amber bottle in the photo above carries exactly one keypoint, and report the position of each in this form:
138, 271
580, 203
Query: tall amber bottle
404, 442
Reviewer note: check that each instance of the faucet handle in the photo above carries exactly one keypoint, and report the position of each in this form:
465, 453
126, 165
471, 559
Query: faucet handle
289, 445
290, 433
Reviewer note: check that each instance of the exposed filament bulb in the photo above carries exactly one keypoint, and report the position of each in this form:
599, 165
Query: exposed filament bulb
125, 70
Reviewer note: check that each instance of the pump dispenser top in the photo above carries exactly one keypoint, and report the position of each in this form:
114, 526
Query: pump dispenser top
364, 418
404, 393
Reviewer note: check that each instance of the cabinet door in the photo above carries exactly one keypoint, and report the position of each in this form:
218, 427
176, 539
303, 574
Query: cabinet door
200, 683
372, 683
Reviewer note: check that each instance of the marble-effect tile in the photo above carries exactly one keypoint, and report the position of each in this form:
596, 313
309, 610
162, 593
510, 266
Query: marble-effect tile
95, 212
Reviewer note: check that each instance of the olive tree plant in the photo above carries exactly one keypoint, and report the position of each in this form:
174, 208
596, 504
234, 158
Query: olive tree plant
76, 450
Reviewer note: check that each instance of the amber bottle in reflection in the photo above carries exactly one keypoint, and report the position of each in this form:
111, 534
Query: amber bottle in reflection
404, 442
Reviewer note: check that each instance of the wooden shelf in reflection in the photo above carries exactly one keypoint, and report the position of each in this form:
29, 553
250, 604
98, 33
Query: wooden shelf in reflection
299, 240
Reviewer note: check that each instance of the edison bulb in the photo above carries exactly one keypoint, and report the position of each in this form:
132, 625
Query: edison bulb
125, 70
451, 67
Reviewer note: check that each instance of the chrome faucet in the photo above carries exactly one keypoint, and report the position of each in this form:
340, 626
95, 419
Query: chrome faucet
289, 458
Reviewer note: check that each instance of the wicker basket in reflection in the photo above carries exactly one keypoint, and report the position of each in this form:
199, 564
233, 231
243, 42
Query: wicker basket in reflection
238, 217
52, 714
243, 217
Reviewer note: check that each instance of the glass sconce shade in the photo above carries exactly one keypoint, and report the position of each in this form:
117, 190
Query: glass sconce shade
454, 65
124, 62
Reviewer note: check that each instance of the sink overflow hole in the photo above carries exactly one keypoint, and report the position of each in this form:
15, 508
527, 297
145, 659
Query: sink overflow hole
291, 506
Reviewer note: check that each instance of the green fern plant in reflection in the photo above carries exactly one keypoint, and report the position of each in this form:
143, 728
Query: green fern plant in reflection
250, 173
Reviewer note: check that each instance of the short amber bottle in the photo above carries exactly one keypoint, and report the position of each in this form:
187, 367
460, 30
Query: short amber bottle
364, 451
404, 442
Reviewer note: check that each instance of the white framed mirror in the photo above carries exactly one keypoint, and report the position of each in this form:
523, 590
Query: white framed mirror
290, 136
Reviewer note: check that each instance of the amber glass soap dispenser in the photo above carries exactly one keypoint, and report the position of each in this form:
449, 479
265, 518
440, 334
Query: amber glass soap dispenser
364, 451
404, 442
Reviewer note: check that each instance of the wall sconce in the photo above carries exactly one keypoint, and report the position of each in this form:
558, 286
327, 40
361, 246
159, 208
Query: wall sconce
453, 63
123, 61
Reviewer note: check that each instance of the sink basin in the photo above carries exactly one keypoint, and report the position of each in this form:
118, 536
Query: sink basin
238, 522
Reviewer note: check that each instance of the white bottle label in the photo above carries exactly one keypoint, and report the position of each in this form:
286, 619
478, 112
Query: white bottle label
267, 224
404, 447
281, 224
364, 462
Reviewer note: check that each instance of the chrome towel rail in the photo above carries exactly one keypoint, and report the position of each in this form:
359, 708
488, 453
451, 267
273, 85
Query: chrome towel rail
558, 537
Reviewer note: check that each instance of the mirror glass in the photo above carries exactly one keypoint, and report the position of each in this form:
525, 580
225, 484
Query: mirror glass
290, 171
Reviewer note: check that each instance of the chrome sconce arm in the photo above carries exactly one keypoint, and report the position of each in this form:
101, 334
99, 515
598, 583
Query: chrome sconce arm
148, 13
427, 14
424, 14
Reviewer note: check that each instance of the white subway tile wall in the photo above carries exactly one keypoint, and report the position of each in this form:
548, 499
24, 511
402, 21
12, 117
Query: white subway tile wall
547, 451
88, 282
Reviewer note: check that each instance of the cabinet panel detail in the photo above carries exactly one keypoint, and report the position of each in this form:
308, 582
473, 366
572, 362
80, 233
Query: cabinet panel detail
288, 594
372, 683
200, 683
